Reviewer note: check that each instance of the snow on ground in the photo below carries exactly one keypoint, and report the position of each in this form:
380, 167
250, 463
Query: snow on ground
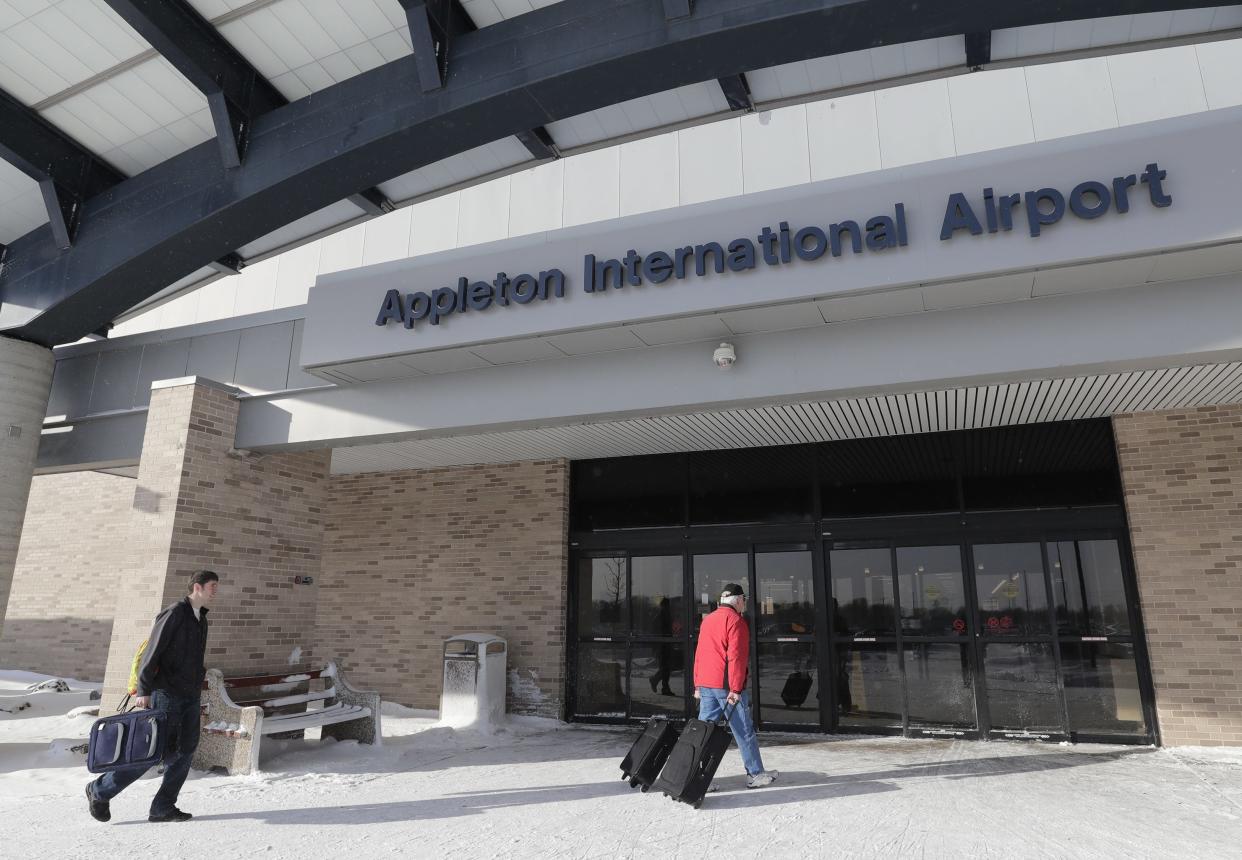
539, 788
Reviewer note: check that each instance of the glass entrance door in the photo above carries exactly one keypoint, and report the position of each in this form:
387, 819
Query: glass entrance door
1021, 681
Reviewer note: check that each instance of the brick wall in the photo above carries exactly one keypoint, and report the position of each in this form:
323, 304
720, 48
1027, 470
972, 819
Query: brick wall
256, 520
1182, 473
71, 557
412, 557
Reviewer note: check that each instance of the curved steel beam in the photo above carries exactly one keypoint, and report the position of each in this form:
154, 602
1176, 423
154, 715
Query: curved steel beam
559, 61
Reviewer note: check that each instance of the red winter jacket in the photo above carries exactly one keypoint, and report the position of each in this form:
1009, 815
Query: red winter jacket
724, 639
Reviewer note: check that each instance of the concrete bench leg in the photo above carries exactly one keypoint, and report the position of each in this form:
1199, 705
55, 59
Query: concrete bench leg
238, 750
367, 730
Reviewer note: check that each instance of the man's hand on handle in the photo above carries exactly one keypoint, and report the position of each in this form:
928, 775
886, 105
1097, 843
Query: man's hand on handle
733, 698
142, 702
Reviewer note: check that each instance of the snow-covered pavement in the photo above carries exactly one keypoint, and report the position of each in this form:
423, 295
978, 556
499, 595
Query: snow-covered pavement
542, 789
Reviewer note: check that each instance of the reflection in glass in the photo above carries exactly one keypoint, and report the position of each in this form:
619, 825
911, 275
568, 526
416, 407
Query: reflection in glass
711, 574
931, 591
1088, 587
1021, 681
1102, 688
655, 595
657, 679
1009, 579
601, 680
862, 592
940, 685
788, 688
785, 593
868, 685
601, 596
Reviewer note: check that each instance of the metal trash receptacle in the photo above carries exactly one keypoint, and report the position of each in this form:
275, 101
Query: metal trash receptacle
475, 669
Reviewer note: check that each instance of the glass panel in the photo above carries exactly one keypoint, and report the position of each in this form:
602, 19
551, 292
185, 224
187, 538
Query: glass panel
1031, 466
711, 574
657, 679
601, 596
862, 592
1009, 578
932, 591
786, 593
628, 492
1021, 681
655, 595
788, 692
913, 474
868, 685
940, 685
753, 485
601, 680
1102, 688
1089, 588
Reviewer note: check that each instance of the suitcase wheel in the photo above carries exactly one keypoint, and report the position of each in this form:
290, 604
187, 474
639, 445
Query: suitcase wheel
645, 788
698, 803
633, 783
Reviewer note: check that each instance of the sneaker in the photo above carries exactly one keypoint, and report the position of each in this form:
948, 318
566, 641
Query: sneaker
99, 808
759, 780
173, 814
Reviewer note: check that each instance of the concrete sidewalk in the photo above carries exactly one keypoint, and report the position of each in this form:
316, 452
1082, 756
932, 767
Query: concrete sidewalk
540, 789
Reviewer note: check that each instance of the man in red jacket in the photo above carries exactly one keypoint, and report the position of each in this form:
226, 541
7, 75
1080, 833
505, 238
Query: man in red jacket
720, 667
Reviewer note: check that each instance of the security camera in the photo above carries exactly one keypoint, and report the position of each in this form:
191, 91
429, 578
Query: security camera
724, 356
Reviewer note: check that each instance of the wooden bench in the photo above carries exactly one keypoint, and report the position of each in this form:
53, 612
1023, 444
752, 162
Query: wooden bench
237, 712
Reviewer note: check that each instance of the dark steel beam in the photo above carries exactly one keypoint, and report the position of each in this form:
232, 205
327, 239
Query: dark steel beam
737, 93
229, 264
236, 92
434, 26
978, 49
676, 8
372, 201
539, 143
557, 62
67, 173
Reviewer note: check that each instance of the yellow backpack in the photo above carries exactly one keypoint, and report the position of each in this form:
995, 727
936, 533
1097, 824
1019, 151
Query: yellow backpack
132, 689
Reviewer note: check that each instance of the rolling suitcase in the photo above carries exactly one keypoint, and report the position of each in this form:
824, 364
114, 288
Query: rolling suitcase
691, 765
797, 685
128, 740
642, 763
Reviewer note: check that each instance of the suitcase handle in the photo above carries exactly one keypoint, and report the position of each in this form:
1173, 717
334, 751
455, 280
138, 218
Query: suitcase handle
155, 734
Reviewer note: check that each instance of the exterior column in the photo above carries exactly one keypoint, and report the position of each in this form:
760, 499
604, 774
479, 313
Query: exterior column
25, 383
254, 519
1182, 475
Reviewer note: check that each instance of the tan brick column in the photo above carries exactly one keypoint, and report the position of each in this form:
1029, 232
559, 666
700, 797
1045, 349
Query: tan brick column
25, 381
254, 519
1182, 474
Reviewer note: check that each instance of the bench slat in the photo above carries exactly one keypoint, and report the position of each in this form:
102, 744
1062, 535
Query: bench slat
272, 680
310, 719
294, 700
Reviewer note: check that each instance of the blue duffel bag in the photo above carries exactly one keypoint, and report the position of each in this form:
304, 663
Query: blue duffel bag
129, 740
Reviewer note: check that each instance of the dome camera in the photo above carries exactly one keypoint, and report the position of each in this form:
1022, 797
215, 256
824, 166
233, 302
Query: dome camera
724, 356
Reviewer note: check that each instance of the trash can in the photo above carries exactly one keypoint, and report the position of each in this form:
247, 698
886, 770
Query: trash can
475, 668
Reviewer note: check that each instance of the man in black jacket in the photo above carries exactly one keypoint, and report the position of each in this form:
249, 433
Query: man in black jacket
170, 679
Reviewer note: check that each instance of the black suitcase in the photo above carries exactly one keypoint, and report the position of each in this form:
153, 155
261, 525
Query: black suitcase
796, 688
691, 765
642, 763
123, 741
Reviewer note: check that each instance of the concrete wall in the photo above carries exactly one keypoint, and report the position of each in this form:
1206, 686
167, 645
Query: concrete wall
413, 557
1182, 473
71, 559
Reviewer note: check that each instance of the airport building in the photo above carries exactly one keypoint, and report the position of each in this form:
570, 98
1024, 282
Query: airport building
931, 340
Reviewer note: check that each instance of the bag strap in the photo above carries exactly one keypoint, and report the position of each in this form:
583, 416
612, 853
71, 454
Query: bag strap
124, 702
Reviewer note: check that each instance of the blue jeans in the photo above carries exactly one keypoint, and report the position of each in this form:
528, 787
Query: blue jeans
183, 727
711, 707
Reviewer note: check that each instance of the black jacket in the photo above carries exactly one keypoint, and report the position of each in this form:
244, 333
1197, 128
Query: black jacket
173, 661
